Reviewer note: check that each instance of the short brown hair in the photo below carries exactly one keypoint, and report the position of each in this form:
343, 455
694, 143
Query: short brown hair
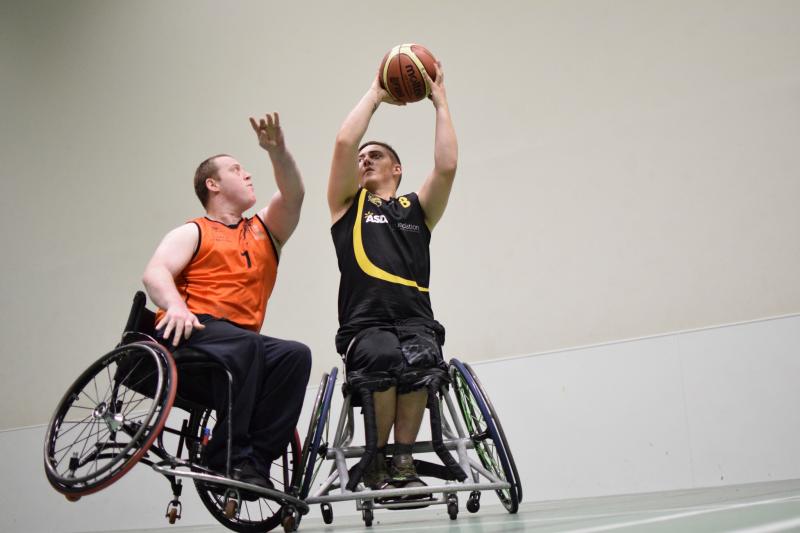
391, 150
206, 169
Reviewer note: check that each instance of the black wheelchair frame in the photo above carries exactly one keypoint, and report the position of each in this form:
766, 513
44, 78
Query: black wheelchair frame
115, 415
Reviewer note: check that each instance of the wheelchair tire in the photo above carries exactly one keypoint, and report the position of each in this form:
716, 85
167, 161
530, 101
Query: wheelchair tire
486, 432
109, 418
259, 515
320, 415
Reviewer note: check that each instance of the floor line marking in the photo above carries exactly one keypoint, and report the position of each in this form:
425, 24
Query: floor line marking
773, 527
388, 528
676, 516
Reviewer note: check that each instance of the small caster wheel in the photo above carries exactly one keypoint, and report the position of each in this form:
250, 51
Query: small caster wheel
230, 509
72, 497
173, 511
290, 519
474, 502
327, 513
452, 506
366, 514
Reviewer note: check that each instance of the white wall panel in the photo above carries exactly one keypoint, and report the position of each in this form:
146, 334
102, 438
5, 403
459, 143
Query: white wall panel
693, 409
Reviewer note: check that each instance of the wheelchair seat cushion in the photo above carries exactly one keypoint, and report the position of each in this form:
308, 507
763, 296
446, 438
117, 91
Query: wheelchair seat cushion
408, 354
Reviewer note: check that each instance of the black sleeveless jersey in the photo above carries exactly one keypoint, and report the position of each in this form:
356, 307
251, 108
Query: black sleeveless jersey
384, 260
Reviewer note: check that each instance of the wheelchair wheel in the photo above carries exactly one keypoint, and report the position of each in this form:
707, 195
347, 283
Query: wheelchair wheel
313, 455
109, 418
486, 432
262, 514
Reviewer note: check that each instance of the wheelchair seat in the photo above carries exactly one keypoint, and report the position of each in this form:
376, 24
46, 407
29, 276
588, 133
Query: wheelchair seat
188, 361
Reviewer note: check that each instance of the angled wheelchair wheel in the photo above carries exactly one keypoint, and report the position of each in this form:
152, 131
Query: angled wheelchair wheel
109, 418
485, 430
314, 447
259, 515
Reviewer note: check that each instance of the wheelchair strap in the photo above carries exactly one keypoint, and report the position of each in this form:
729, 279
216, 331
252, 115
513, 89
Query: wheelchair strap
436, 434
370, 436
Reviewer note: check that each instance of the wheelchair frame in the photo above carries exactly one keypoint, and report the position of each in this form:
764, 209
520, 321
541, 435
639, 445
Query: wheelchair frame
112, 431
480, 432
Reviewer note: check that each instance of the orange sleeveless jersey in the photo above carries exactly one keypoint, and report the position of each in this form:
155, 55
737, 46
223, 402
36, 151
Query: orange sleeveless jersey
231, 274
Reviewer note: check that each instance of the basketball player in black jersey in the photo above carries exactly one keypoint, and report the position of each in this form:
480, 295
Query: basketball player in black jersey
387, 334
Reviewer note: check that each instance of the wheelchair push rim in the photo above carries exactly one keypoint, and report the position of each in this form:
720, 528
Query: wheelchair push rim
485, 430
320, 415
85, 447
262, 514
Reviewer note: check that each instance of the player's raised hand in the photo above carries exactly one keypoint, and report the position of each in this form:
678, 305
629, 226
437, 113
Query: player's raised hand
269, 132
381, 93
438, 95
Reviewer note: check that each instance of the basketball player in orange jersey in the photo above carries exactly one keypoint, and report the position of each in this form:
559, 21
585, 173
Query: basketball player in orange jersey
387, 335
211, 279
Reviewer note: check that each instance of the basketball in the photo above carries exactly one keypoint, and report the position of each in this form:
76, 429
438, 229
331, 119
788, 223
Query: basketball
401, 72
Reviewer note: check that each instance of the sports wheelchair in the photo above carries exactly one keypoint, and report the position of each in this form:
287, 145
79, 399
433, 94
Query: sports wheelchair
115, 415
472, 429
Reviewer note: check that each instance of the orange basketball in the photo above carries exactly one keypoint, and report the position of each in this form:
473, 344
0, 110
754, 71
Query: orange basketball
401, 72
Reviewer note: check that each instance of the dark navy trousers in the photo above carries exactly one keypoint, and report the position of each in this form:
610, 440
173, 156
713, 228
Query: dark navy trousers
269, 383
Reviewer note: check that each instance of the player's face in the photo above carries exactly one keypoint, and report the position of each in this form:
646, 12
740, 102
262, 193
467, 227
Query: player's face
235, 183
376, 167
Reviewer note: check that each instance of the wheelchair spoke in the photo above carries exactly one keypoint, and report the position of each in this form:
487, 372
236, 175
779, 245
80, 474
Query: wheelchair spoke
148, 376
86, 425
96, 392
90, 399
69, 446
86, 440
109, 385
75, 424
130, 372
130, 408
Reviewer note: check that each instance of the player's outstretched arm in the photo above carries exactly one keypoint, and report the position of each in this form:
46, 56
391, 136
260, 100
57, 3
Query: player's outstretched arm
282, 213
343, 180
435, 191
169, 260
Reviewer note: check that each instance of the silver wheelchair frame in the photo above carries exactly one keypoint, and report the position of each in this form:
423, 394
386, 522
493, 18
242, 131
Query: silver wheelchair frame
478, 441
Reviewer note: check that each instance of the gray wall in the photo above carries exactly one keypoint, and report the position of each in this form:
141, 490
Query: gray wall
627, 168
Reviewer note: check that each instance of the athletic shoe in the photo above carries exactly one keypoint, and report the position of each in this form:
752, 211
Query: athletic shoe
376, 476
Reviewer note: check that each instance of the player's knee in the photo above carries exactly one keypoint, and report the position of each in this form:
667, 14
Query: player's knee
300, 356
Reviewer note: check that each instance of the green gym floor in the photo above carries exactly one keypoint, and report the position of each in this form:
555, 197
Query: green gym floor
753, 508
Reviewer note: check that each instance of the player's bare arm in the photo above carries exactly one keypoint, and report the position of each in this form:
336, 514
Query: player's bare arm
169, 260
435, 191
282, 213
343, 180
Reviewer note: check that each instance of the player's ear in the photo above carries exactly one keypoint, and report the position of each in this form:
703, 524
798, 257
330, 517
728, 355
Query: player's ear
212, 184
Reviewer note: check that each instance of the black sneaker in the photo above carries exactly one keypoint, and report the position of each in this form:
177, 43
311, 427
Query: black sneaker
246, 472
376, 476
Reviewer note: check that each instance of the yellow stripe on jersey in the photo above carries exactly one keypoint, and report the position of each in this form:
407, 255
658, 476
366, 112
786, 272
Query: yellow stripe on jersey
361, 255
